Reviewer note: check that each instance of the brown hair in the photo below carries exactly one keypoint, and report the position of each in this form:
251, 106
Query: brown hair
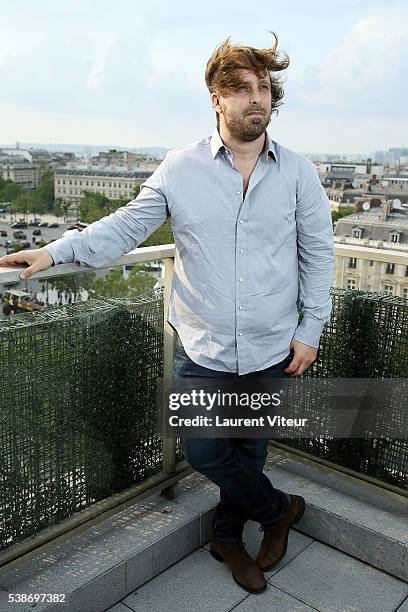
222, 71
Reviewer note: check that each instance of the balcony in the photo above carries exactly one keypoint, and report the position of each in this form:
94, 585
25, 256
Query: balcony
94, 504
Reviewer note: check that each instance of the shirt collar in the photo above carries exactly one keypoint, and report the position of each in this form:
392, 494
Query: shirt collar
217, 145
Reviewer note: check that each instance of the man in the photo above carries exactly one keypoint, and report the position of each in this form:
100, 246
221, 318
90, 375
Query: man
254, 248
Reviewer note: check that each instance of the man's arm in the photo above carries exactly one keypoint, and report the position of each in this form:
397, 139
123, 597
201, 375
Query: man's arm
120, 232
315, 256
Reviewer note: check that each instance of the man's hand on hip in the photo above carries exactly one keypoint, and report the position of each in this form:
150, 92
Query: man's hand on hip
304, 355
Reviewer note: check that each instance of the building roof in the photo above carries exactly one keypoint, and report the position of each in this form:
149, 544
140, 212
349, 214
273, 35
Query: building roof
14, 160
373, 226
109, 173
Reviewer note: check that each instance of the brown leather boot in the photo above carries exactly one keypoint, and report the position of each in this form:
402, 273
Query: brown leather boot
275, 540
245, 571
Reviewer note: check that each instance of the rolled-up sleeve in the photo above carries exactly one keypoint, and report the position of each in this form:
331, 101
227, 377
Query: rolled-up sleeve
315, 255
120, 232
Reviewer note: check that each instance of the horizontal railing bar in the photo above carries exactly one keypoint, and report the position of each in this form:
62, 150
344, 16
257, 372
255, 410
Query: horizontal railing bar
152, 253
140, 255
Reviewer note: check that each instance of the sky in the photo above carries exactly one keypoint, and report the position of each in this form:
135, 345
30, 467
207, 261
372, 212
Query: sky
131, 73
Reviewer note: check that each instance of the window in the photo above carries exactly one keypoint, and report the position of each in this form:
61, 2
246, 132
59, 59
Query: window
353, 262
389, 289
390, 268
351, 283
394, 237
371, 262
357, 233
405, 293
406, 271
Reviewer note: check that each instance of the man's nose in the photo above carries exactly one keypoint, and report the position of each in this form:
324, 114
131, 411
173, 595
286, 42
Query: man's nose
255, 97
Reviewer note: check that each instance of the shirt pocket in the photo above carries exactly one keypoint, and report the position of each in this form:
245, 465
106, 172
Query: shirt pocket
284, 230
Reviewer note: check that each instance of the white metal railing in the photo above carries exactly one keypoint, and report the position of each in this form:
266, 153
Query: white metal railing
152, 253
164, 251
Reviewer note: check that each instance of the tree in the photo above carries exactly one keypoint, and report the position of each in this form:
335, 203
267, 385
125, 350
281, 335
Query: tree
10, 191
114, 285
22, 202
45, 190
36, 204
338, 214
163, 235
72, 283
92, 206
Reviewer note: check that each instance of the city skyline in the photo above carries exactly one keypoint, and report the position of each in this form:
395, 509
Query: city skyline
134, 76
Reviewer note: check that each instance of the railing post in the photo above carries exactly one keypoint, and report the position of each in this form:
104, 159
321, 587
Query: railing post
169, 444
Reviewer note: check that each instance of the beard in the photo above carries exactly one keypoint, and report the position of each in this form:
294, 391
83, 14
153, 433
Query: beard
245, 128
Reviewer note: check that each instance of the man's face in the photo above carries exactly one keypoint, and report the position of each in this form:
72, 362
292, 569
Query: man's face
246, 111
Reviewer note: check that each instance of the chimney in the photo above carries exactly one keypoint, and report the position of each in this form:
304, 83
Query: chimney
368, 165
385, 210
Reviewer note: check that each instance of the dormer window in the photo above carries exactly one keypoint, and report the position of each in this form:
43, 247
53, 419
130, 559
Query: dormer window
357, 232
394, 236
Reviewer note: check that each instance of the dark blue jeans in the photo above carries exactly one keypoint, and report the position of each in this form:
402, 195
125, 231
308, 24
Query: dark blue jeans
234, 464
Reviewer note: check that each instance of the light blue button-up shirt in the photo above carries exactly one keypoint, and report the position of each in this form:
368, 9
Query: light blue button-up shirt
244, 267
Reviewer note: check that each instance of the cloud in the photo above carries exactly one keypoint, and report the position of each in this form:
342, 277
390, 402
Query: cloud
367, 73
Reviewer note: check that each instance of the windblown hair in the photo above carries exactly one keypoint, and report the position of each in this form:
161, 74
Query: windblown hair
222, 71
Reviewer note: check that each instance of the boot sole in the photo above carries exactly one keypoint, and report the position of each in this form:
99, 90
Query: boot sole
218, 557
296, 519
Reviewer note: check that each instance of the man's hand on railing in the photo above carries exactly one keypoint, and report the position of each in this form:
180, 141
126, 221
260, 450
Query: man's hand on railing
37, 259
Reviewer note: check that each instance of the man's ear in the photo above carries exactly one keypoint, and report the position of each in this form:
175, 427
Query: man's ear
215, 102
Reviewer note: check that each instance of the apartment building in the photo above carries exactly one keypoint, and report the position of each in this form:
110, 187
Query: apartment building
19, 169
71, 183
384, 227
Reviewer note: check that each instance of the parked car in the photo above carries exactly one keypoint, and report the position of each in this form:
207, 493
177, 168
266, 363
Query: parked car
19, 234
34, 223
53, 225
25, 244
17, 224
37, 232
43, 224
9, 243
79, 226
3, 233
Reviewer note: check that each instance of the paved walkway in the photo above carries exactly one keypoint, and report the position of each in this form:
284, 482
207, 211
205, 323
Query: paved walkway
313, 576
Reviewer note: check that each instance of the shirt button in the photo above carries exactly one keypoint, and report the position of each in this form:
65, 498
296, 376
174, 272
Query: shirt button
241, 220
238, 192
241, 307
241, 250
240, 333
240, 279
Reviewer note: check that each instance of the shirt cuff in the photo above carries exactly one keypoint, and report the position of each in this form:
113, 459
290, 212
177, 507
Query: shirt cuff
61, 251
309, 331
